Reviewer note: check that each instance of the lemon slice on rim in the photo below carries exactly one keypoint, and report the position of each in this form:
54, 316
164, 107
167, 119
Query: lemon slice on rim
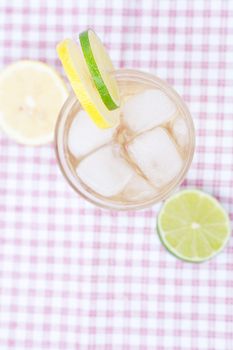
193, 225
82, 83
31, 96
101, 68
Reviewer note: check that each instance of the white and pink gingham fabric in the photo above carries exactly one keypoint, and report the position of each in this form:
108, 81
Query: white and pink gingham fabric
73, 276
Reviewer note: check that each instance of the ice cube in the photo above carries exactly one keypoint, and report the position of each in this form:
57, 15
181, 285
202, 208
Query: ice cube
105, 171
147, 110
84, 136
156, 155
180, 131
138, 189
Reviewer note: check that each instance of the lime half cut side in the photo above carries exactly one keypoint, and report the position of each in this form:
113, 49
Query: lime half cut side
193, 225
101, 68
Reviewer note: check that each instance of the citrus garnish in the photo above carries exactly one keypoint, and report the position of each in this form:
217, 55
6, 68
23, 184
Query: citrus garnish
101, 68
82, 83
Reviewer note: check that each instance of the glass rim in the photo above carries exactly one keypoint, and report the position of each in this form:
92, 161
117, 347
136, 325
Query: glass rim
132, 75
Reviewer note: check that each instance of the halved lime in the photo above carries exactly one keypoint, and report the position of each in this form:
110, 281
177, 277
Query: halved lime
82, 84
101, 68
193, 225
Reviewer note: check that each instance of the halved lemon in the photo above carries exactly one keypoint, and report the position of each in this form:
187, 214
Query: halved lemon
83, 85
193, 225
101, 68
31, 96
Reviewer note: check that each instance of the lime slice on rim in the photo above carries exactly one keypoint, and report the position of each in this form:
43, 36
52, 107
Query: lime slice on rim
193, 225
101, 68
82, 84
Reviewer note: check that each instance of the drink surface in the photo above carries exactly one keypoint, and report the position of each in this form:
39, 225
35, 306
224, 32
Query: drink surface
139, 160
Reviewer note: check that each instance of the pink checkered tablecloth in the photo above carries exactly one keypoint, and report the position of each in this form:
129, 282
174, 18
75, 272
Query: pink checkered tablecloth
73, 276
